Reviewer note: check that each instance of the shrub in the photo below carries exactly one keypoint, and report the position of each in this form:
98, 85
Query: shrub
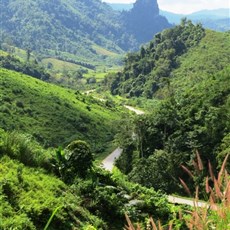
217, 214
23, 148
75, 159
20, 104
79, 156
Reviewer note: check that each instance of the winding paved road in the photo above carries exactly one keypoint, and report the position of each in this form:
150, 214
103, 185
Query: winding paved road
137, 111
108, 164
109, 161
193, 203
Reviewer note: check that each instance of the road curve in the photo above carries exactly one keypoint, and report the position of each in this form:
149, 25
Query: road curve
108, 162
193, 203
137, 111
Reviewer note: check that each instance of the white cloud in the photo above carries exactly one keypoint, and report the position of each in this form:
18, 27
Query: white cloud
184, 6
189, 6
119, 1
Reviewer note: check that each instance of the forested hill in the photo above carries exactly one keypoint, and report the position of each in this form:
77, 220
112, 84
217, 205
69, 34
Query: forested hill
76, 27
66, 26
188, 69
161, 62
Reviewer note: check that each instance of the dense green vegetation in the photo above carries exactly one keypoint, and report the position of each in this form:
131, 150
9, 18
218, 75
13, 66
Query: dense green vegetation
33, 69
30, 193
193, 114
67, 73
95, 200
59, 27
50, 136
149, 69
54, 115
197, 119
215, 215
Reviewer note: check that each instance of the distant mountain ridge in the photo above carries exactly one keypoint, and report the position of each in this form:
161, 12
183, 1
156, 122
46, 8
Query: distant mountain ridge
121, 6
76, 27
199, 15
217, 13
217, 19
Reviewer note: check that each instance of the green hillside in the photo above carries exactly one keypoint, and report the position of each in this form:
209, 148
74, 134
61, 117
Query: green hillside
191, 83
210, 56
63, 108
63, 25
89, 32
166, 57
53, 115
42, 198
28, 199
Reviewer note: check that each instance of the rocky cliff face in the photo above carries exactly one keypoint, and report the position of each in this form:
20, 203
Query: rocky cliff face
146, 8
143, 20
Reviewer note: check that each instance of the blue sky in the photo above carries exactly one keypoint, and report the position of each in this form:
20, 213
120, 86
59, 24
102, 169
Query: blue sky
184, 6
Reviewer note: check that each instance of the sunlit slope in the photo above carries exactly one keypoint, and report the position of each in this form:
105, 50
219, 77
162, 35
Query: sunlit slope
177, 57
211, 55
52, 114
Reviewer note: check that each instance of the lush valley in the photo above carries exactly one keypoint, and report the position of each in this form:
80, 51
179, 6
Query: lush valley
64, 97
44, 189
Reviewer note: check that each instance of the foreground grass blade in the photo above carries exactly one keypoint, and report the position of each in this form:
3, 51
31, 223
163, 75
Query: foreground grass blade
51, 218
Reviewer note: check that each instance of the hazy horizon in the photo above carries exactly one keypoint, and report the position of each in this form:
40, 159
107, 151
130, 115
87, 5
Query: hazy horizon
183, 7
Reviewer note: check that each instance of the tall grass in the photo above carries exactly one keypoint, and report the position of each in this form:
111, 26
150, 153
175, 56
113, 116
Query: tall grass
23, 148
151, 225
216, 215
51, 218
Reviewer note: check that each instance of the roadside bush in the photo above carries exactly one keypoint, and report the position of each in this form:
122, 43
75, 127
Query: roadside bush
80, 157
28, 204
23, 148
75, 160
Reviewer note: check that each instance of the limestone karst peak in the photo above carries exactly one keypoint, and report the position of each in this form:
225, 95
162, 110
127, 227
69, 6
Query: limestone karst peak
143, 20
